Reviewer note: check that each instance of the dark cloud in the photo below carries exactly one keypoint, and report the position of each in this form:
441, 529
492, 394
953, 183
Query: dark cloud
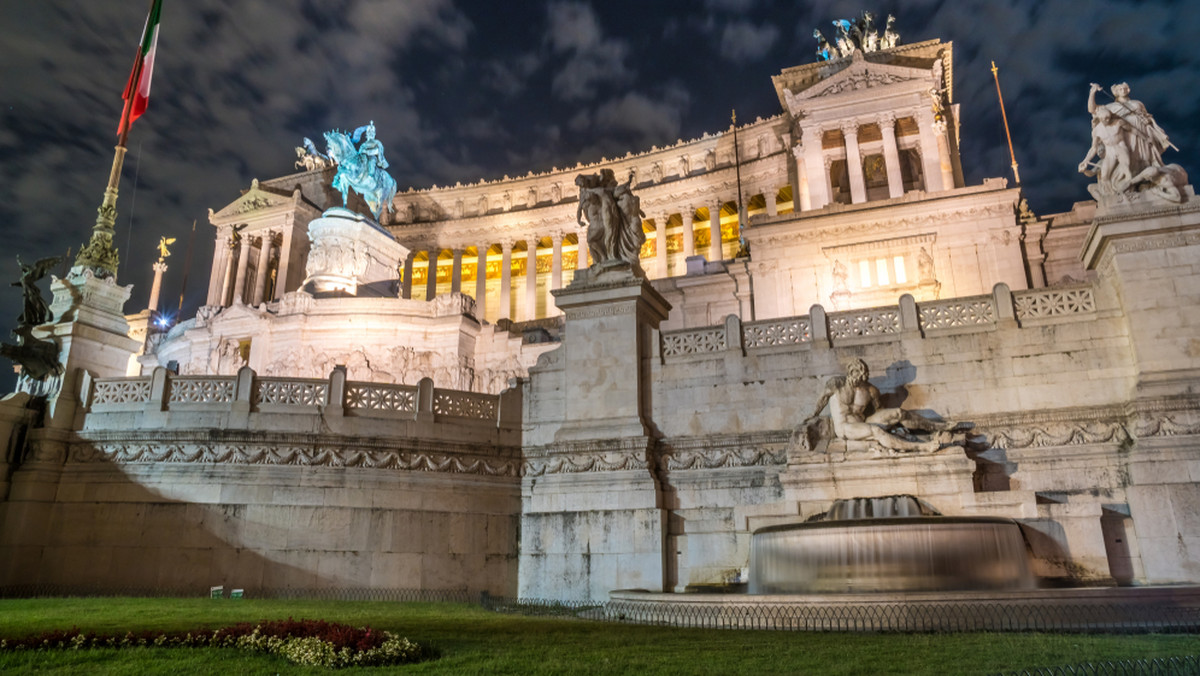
574, 33
742, 41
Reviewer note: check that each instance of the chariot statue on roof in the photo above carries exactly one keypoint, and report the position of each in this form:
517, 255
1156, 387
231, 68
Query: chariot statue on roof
362, 167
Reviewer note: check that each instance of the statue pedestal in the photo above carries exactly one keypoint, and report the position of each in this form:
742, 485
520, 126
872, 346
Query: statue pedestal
611, 317
353, 255
92, 333
1146, 250
593, 516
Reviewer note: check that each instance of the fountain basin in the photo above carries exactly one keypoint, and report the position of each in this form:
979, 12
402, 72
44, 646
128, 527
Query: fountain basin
920, 553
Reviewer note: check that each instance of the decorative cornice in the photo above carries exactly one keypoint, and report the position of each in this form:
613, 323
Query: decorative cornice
758, 449
294, 450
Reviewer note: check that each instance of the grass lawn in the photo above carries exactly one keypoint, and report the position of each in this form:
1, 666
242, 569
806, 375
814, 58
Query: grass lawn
475, 641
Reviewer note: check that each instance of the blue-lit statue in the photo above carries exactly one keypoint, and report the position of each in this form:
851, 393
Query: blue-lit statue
361, 168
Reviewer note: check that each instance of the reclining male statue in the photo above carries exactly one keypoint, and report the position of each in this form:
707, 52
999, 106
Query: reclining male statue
856, 414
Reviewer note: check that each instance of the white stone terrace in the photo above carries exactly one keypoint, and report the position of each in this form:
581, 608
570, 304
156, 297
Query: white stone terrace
934, 318
249, 403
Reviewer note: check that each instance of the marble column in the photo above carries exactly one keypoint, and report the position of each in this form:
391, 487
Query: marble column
285, 259
891, 155
219, 263
230, 271
159, 268
456, 272
505, 309
858, 187
481, 280
689, 239
944, 162
715, 252
264, 261
772, 207
660, 246
239, 280
556, 269
531, 276
802, 201
581, 252
431, 276
927, 137
406, 286
814, 164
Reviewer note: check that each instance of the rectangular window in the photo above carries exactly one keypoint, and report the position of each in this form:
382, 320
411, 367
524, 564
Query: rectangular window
864, 273
881, 268
901, 276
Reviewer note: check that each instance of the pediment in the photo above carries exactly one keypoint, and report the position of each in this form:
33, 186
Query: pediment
257, 198
928, 63
860, 75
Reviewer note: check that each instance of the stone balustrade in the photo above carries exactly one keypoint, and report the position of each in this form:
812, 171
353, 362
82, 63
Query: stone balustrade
165, 391
908, 318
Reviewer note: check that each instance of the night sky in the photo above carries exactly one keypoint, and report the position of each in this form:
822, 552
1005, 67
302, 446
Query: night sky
462, 89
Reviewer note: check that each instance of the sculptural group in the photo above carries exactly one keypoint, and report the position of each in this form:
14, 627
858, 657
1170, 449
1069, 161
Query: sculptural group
614, 218
38, 358
857, 35
1126, 151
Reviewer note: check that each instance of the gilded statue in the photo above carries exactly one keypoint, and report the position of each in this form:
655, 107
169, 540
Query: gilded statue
163, 252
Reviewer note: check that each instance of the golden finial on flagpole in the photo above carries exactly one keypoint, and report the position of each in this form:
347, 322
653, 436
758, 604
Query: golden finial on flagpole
1004, 116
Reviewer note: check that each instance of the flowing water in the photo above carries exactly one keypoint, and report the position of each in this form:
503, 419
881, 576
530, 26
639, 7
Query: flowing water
886, 544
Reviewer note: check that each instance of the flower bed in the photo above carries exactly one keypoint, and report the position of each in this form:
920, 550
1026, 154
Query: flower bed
308, 642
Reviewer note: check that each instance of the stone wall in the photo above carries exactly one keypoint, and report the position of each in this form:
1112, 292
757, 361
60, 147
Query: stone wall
187, 482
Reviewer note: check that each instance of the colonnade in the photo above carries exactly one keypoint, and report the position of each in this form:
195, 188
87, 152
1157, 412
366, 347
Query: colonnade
234, 280
814, 157
672, 237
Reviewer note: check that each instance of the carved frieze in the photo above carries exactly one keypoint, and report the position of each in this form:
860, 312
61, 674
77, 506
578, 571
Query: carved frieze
324, 453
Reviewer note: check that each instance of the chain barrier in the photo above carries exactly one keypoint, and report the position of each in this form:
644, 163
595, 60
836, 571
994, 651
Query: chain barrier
1156, 666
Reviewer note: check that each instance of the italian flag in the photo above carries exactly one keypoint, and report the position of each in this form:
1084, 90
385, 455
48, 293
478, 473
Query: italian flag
137, 90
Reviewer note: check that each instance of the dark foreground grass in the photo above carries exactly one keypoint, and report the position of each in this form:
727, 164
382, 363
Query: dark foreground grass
475, 641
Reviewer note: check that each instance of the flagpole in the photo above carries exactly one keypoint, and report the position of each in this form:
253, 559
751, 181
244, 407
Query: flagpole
737, 164
1004, 116
187, 266
98, 255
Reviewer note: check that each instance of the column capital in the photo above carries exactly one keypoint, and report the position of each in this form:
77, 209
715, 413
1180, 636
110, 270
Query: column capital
798, 151
506, 245
850, 128
886, 121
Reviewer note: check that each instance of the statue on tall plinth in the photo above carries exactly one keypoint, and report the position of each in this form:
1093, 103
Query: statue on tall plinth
1126, 152
38, 358
362, 167
614, 218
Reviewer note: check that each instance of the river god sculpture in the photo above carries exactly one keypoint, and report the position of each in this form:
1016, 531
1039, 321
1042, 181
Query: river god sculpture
859, 420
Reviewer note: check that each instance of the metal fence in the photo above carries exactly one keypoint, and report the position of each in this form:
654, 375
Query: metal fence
1157, 666
915, 616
